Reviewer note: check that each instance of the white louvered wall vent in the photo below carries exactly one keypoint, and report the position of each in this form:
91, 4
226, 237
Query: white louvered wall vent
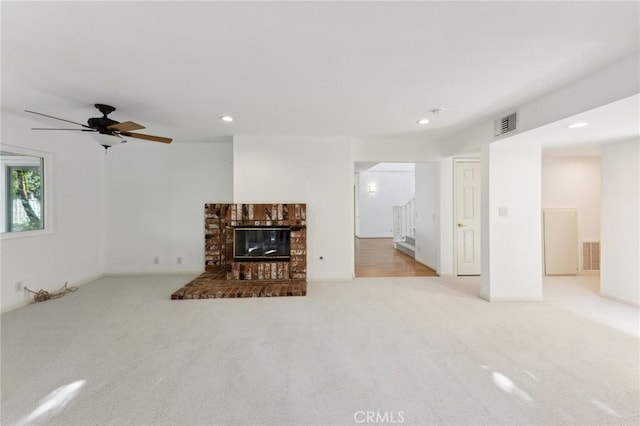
505, 124
590, 255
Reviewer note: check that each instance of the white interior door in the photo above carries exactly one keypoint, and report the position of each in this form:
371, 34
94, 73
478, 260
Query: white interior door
467, 214
560, 241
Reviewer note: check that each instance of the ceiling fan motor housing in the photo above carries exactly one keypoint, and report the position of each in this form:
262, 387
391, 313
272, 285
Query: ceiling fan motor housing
101, 124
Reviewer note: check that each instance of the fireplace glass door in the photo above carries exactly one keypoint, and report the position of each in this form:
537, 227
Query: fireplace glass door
261, 243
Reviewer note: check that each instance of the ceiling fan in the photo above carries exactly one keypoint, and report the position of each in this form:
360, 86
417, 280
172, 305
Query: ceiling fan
106, 126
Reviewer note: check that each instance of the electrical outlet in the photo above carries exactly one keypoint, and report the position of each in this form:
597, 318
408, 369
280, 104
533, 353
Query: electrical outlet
179, 260
19, 286
156, 260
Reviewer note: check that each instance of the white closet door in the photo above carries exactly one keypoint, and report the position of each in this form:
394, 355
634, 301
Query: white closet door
467, 205
560, 241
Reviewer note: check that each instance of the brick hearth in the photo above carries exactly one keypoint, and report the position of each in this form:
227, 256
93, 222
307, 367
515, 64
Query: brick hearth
225, 278
214, 285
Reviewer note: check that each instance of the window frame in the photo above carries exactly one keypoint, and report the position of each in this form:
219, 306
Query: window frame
47, 189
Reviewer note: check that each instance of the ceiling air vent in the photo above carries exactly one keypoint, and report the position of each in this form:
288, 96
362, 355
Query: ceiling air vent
505, 124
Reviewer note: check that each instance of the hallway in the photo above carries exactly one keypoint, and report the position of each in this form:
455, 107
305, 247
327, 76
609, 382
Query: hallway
376, 257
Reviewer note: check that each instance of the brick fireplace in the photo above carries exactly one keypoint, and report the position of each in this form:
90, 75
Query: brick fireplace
222, 219
271, 262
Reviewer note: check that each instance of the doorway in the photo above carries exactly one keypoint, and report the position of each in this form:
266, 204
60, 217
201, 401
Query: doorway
392, 238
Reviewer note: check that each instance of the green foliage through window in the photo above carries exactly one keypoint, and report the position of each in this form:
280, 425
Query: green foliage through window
23, 201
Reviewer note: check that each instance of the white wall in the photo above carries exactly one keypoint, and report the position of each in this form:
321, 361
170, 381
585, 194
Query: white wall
574, 183
155, 203
356, 206
446, 217
74, 251
515, 248
620, 227
395, 150
317, 171
375, 209
485, 222
427, 209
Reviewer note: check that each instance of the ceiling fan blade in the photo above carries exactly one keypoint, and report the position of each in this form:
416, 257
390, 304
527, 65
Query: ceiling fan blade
56, 118
74, 130
126, 126
147, 137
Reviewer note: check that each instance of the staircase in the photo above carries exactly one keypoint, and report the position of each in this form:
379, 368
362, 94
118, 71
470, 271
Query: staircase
404, 228
407, 246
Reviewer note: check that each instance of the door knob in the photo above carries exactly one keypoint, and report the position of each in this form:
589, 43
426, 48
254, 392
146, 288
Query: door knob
460, 225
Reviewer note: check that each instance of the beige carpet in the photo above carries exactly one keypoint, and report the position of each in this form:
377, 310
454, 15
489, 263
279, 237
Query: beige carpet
119, 352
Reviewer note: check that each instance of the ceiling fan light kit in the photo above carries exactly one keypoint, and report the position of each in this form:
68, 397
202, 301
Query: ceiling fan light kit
107, 141
104, 127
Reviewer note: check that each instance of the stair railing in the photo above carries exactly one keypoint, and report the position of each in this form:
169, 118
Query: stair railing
404, 220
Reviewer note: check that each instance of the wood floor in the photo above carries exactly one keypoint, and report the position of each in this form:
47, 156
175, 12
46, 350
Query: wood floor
376, 257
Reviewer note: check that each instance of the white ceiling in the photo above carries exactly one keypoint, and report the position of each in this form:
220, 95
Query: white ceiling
614, 122
363, 69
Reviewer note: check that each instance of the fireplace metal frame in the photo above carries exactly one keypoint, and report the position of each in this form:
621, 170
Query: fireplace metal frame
263, 258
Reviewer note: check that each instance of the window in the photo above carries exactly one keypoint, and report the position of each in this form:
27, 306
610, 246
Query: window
22, 192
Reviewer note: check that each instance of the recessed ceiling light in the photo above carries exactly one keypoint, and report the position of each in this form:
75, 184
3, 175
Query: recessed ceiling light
423, 121
226, 118
578, 125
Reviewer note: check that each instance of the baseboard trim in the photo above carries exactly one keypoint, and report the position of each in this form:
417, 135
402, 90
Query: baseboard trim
328, 280
87, 280
70, 284
620, 300
428, 266
137, 274
513, 299
375, 238
15, 306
